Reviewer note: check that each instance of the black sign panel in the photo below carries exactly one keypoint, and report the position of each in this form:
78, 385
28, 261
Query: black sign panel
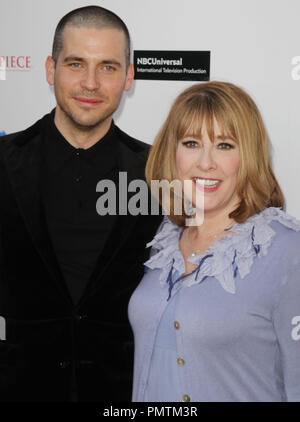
172, 65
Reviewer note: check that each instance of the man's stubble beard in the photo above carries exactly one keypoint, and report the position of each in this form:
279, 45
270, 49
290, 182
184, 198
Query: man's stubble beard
73, 120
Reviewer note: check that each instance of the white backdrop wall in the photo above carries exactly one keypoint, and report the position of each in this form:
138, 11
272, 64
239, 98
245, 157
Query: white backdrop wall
253, 43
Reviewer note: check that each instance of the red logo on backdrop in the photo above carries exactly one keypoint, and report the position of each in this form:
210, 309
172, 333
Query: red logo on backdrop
15, 62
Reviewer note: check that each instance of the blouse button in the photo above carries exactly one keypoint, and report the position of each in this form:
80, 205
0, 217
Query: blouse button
180, 362
185, 397
176, 325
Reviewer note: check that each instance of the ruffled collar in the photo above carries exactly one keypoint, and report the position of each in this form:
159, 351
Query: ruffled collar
224, 258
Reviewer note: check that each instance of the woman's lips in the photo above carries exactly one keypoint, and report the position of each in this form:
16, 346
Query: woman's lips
207, 185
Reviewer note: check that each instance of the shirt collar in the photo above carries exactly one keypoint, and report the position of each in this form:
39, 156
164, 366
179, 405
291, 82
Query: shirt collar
58, 151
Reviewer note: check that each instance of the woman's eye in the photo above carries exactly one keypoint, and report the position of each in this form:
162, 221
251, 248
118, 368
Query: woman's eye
190, 144
225, 145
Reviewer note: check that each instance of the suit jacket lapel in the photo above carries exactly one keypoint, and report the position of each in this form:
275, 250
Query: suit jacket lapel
23, 157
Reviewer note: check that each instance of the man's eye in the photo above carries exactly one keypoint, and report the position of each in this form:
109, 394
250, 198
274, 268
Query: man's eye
75, 65
109, 68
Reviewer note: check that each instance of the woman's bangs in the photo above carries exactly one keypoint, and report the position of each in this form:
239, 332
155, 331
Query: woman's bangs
191, 123
191, 117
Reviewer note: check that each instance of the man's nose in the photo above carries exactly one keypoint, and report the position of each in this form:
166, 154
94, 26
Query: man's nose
90, 80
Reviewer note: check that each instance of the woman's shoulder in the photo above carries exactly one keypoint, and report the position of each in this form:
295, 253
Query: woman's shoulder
283, 227
270, 229
285, 234
274, 214
286, 239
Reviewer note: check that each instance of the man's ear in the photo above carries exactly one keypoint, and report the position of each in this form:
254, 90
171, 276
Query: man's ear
50, 70
129, 77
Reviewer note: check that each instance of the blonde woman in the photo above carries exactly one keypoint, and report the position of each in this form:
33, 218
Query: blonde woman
216, 316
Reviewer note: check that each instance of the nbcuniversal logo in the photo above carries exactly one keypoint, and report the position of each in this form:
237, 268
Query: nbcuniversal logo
13, 63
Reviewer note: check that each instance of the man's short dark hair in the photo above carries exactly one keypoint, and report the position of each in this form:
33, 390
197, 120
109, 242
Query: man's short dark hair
90, 17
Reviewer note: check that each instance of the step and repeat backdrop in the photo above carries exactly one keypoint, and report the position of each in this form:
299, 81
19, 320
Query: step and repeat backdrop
252, 43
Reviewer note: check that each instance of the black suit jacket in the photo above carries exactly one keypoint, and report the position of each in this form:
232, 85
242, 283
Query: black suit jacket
52, 345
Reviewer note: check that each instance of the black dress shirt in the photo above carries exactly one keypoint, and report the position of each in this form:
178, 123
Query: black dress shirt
77, 231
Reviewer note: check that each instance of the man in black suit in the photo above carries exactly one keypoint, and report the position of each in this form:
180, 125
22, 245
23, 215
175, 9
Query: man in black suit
66, 272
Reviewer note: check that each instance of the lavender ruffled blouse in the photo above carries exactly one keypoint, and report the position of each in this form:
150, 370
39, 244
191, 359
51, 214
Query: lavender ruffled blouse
230, 331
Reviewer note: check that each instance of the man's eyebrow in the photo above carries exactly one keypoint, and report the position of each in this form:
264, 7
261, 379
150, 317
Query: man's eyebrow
80, 59
112, 61
73, 59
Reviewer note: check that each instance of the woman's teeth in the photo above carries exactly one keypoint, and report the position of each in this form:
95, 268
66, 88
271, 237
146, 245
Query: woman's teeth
206, 183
